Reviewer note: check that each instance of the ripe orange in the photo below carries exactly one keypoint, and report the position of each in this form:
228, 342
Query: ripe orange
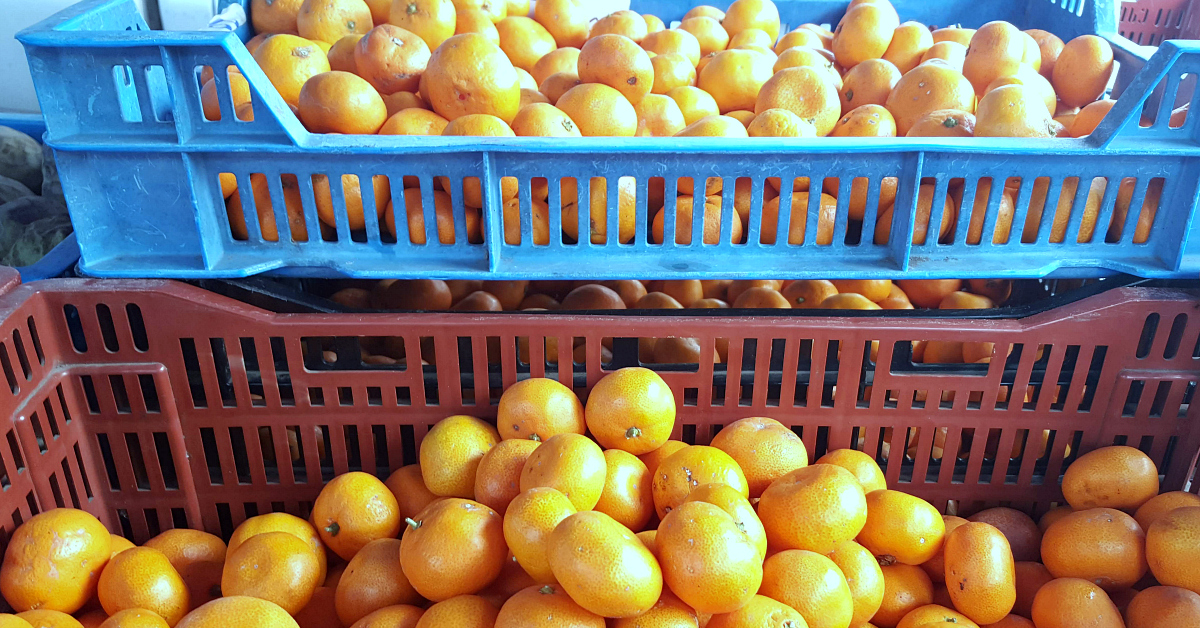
530, 519
810, 583
54, 561
797, 38
545, 606
1082, 70
905, 588
408, 487
868, 83
1163, 606
238, 611
944, 123
1110, 477
199, 558
865, 32
135, 618
764, 448
538, 408
279, 522
615, 577
399, 616
627, 496
747, 14
571, 463
807, 294
909, 43
827, 498
450, 454
45, 618
274, 16
953, 53
708, 33
1160, 505
289, 61
239, 91
759, 611
901, 528
860, 464
1013, 111
143, 578
498, 478
1061, 603
777, 123
467, 611
555, 61
469, 74
935, 615
979, 572
599, 110
707, 559
1102, 545
352, 196
863, 576
565, 19
354, 509
1171, 548
1029, 578
413, 121
391, 59
274, 566
996, 50
931, 86
454, 547
373, 580
827, 210
805, 56
802, 91
695, 103
524, 41
1049, 47
653, 459
330, 20
848, 302
735, 505
431, 20
735, 77
865, 121
631, 409
1019, 528
936, 566
690, 467
627, 23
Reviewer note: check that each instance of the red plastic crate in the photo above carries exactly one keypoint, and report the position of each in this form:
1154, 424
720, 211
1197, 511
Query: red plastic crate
1151, 22
156, 404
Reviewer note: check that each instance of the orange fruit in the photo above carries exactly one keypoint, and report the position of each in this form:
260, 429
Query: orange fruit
708, 33
827, 498
1049, 47
779, 123
599, 110
863, 576
896, 300
653, 23
653, 459
1089, 117
444, 221
1163, 606
901, 528
1110, 477
1160, 505
995, 50
863, 466
615, 577
668, 612
909, 43
134, 618
495, 10
763, 448
857, 207
715, 126
695, 103
848, 302
199, 558
54, 561
868, 83
674, 41
450, 454
543, 606
566, 20
806, 294
239, 91
627, 495
803, 92
543, 120
762, 298
274, 16
953, 53
931, 86
627, 23
352, 197
1082, 70
475, 21
827, 209
46, 618
873, 289
238, 611
707, 559
799, 37
414, 121
555, 61
811, 584
683, 220
905, 588
1019, 528
530, 519
341, 102
865, 121
1027, 76
935, 615
571, 463
1012, 111
865, 32
468, 74
320, 610
373, 580
746, 14
467, 611
759, 611
805, 56
1171, 548
929, 292
735, 77
391, 59
399, 616
454, 547
330, 20
289, 61
120, 544
434, 21
671, 70
538, 408
1063, 602
1101, 545
1029, 578
143, 578
277, 522
954, 34
979, 572
619, 63
524, 41
631, 409
274, 566
691, 467
936, 566
735, 505
354, 509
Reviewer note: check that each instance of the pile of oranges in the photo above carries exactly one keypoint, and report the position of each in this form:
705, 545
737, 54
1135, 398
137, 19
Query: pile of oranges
588, 515
489, 68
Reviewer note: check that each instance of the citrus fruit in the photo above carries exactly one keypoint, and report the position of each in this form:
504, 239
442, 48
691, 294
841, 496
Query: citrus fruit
631, 409
571, 463
690, 467
354, 509
238, 611
468, 74
373, 580
810, 583
450, 454
829, 501
980, 575
707, 559
1172, 549
274, 566
627, 495
1110, 477
1064, 602
863, 576
603, 566
901, 528
530, 519
545, 606
454, 547
54, 561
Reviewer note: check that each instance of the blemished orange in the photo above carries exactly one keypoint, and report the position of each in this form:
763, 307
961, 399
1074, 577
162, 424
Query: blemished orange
996, 50
330, 20
935, 615
434, 21
676, 41
618, 62
289, 61
735, 505
545, 606
909, 43
537, 409
707, 559
599, 110
1063, 602
373, 580
901, 528
275, 566
1111, 477
54, 561
279, 522
530, 519
354, 509
691, 467
905, 588
627, 23
413, 121
746, 14
931, 86
863, 576
198, 557
571, 463
865, 121
979, 572
735, 77
952, 53
1163, 606
779, 123
1102, 545
454, 547
134, 618
1172, 548
1019, 528
1082, 70
46, 618
1013, 111
653, 459
828, 498
320, 611
627, 495
1160, 505
862, 465
758, 612
565, 19
238, 611
811, 584
274, 16
868, 83
450, 454
802, 91
616, 577
469, 74
391, 59
631, 409
764, 448
936, 566
1028, 77
799, 37
865, 32
142, 577
802, 56
944, 123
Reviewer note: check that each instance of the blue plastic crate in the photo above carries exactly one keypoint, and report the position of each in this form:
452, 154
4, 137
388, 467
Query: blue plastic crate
140, 168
